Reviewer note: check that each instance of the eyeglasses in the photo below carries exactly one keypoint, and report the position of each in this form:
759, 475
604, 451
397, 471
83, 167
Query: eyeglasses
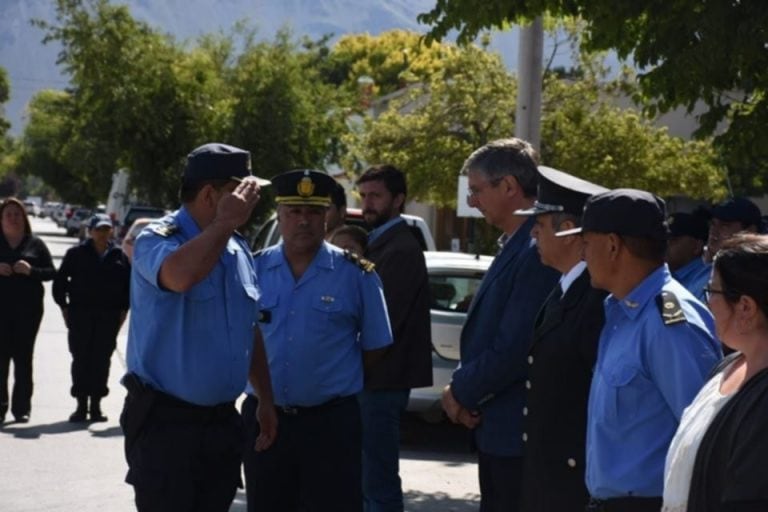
709, 291
474, 192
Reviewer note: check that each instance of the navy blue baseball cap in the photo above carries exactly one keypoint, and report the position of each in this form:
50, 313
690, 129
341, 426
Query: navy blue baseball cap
216, 161
624, 211
100, 220
738, 209
695, 225
561, 192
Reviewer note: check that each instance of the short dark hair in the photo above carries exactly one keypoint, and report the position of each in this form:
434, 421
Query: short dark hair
357, 234
650, 249
392, 177
507, 157
188, 191
742, 264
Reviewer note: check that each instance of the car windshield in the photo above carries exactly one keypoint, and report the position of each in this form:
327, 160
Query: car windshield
453, 292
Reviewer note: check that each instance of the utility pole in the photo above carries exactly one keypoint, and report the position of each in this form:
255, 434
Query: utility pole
529, 80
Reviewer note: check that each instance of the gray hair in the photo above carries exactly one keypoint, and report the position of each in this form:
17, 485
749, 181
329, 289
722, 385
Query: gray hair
506, 157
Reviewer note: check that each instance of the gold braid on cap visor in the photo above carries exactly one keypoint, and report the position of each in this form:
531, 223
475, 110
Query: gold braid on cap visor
299, 200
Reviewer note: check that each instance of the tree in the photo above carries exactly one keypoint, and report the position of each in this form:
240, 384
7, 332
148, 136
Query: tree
431, 130
283, 112
44, 145
688, 52
5, 142
142, 101
5, 94
392, 59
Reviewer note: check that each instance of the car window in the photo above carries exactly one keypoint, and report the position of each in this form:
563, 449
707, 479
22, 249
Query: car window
453, 292
262, 238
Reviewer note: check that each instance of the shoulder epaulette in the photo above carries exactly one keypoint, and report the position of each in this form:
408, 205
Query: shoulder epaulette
670, 309
366, 265
165, 230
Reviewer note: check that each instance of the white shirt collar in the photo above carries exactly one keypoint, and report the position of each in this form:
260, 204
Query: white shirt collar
569, 277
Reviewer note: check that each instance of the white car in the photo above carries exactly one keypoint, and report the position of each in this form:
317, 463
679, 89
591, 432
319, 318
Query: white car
454, 278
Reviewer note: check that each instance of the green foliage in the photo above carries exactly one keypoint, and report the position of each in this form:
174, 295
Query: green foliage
45, 140
283, 112
5, 94
690, 52
585, 135
430, 130
141, 101
393, 59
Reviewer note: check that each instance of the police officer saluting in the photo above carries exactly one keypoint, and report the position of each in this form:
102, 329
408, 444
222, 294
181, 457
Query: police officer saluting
193, 341
562, 353
91, 288
655, 350
323, 317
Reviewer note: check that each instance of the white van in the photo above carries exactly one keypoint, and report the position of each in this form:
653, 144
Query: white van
119, 199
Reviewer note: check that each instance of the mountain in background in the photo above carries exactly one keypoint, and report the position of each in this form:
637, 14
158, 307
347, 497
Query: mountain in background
31, 65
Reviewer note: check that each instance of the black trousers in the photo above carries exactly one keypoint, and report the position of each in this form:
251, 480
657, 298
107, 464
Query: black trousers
500, 482
627, 504
315, 464
18, 330
92, 340
182, 457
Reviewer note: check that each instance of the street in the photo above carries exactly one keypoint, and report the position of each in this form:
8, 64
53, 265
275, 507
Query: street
50, 464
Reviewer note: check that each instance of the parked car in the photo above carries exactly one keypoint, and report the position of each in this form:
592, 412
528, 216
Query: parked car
49, 209
63, 216
33, 209
269, 234
79, 216
136, 212
453, 281
132, 233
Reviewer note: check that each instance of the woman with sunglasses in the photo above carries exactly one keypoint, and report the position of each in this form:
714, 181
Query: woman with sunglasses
716, 461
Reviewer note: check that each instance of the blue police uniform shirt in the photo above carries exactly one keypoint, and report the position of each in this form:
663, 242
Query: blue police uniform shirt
694, 275
646, 374
316, 328
195, 345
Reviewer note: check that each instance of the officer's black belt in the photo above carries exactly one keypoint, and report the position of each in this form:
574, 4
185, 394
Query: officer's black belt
170, 408
295, 410
625, 504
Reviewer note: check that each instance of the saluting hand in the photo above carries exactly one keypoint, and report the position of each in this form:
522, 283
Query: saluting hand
234, 209
267, 418
5, 270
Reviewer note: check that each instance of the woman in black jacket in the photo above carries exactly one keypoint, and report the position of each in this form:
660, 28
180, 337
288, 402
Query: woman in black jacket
25, 263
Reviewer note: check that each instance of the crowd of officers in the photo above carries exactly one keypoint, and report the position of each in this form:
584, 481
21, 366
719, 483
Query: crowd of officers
589, 348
